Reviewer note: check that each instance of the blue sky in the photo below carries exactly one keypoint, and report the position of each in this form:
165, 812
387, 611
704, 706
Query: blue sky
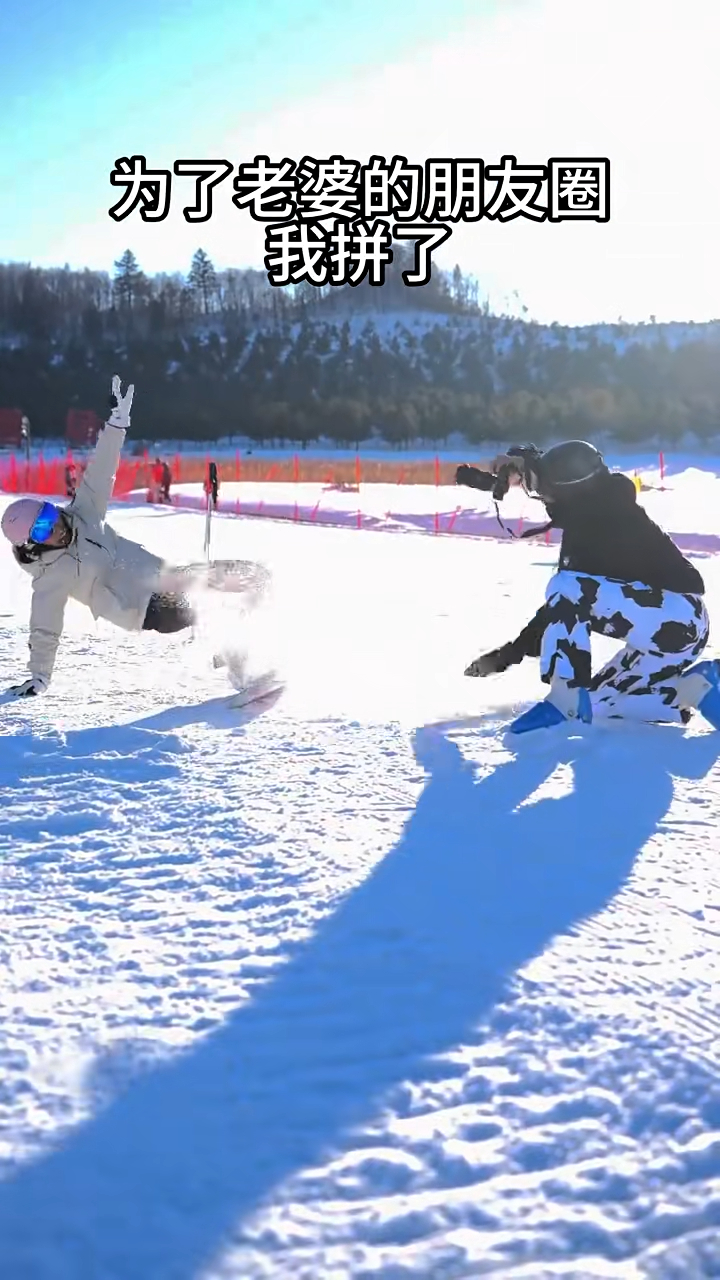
631, 79
81, 83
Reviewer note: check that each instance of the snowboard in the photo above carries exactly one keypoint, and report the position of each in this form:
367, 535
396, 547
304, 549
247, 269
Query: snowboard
258, 689
250, 687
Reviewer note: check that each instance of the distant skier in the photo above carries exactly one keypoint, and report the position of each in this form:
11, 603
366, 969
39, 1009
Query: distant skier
72, 552
154, 493
71, 480
618, 575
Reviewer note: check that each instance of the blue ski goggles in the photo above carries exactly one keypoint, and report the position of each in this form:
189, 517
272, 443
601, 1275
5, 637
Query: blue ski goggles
45, 522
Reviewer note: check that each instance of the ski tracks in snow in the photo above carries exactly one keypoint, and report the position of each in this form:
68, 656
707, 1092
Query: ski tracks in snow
320, 994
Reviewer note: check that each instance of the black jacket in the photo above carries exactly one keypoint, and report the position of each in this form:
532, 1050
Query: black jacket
609, 534
606, 533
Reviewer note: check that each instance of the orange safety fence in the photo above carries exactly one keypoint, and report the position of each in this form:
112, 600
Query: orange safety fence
50, 477
47, 476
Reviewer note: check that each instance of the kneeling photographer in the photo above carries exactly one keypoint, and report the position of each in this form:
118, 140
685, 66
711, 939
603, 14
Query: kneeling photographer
618, 575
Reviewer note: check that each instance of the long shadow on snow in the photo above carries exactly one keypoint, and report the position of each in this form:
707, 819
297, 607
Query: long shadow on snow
143, 750
115, 754
406, 967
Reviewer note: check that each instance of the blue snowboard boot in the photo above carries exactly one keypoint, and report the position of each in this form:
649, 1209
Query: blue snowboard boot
699, 689
561, 705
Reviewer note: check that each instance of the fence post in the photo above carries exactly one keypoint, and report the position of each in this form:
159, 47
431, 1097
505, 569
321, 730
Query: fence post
437, 494
358, 482
296, 481
662, 471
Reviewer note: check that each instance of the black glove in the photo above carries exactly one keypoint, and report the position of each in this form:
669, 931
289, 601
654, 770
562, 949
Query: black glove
491, 664
474, 478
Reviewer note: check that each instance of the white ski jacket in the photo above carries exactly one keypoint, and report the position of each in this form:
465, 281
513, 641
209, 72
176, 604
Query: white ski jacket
114, 577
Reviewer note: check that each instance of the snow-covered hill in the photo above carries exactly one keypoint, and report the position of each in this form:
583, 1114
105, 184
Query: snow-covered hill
417, 337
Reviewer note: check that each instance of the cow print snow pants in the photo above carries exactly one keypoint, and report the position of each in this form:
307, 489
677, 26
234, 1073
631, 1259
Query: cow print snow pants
664, 633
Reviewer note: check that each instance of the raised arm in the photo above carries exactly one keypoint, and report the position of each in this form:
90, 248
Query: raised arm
95, 489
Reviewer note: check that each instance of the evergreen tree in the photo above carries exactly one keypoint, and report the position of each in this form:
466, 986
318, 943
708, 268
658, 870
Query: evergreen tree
129, 282
459, 287
203, 280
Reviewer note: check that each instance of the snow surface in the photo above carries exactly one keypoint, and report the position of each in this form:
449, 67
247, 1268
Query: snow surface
348, 986
686, 504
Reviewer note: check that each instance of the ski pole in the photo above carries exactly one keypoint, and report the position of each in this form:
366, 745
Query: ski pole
211, 486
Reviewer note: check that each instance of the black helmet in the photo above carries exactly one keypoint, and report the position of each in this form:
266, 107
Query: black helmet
566, 468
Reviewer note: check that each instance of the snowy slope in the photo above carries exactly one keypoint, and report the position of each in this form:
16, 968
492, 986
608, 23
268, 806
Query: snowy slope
349, 987
686, 506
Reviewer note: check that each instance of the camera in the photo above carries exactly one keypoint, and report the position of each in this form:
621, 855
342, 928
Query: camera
527, 461
526, 455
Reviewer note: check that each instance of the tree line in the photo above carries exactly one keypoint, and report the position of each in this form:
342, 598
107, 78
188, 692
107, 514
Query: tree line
223, 354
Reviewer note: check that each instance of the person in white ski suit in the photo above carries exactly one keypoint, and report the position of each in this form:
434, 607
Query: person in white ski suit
72, 552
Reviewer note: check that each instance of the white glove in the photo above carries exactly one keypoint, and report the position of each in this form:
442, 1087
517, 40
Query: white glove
120, 414
28, 689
